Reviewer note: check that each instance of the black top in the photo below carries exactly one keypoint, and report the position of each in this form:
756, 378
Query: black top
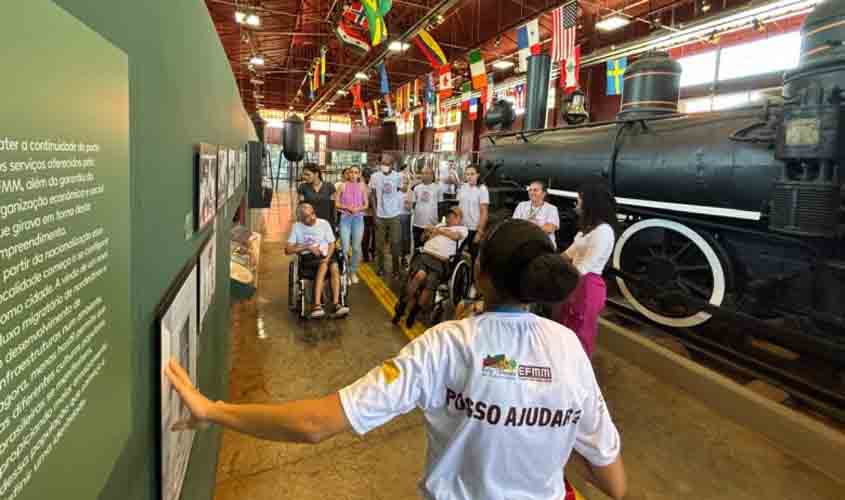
321, 201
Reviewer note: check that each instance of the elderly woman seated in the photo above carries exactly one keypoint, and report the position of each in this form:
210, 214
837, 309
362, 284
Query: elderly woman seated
313, 240
431, 266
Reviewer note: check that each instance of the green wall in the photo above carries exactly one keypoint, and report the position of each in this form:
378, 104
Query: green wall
182, 92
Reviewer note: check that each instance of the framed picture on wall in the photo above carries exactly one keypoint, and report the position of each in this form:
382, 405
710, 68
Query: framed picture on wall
207, 275
233, 166
244, 163
222, 176
206, 175
178, 327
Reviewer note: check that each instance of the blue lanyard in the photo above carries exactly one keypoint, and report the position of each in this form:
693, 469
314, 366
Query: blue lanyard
508, 309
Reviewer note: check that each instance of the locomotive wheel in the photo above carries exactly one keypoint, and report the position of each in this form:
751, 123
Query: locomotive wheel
675, 261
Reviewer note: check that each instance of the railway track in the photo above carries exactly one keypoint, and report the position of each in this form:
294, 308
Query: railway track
810, 385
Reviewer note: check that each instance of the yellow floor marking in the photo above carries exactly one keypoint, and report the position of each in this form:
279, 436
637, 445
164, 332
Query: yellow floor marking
387, 298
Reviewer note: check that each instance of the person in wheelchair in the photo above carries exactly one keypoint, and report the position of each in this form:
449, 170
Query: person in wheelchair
313, 241
431, 266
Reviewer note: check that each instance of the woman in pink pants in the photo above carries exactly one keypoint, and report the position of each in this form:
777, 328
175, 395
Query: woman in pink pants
589, 254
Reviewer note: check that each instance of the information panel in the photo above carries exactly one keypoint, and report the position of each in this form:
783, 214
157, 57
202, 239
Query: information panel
65, 329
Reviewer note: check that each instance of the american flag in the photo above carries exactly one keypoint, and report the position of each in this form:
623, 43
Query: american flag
564, 20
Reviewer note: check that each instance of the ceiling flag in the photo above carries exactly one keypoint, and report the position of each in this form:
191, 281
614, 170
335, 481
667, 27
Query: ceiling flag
388, 105
323, 51
466, 95
352, 29
417, 94
476, 69
564, 21
376, 10
487, 95
430, 49
528, 39
473, 109
356, 96
615, 73
569, 71
385, 83
445, 86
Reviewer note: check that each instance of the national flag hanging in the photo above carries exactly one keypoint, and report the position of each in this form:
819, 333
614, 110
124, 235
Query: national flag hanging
564, 21
388, 105
528, 39
353, 27
487, 95
323, 51
445, 82
429, 100
384, 83
473, 109
570, 70
315, 73
417, 93
615, 73
477, 70
376, 10
356, 96
430, 49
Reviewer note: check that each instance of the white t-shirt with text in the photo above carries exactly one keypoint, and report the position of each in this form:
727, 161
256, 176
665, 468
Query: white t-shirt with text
389, 196
443, 246
590, 252
470, 199
506, 397
319, 234
545, 214
425, 198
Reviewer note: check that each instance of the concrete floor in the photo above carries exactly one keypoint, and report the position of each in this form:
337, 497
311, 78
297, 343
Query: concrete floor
674, 446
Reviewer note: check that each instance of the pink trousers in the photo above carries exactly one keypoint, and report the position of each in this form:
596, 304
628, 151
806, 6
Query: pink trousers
580, 313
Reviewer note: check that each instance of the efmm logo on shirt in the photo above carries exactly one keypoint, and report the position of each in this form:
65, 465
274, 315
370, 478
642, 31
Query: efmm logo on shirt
499, 366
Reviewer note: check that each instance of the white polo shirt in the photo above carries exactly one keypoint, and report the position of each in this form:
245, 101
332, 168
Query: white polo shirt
506, 397
545, 214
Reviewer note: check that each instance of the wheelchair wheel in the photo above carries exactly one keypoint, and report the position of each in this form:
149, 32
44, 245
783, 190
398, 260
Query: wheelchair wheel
460, 282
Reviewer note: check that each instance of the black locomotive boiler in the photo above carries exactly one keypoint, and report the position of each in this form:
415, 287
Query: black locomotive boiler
738, 213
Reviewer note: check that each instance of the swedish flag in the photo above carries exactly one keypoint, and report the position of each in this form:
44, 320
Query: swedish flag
615, 72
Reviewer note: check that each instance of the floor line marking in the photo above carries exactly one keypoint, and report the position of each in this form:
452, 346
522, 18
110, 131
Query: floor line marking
387, 299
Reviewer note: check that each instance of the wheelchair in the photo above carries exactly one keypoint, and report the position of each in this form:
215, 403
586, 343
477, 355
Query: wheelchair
301, 284
450, 292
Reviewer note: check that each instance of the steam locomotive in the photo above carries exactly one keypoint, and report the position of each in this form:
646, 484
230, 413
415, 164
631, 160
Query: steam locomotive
738, 214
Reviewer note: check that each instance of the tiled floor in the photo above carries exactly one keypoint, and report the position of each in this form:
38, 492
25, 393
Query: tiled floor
674, 447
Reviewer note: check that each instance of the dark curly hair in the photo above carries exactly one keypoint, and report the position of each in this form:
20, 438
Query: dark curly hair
598, 206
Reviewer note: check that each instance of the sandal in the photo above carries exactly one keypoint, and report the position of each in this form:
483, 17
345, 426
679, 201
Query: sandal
317, 312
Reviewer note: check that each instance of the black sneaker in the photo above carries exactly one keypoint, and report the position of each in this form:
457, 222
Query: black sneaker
412, 317
398, 311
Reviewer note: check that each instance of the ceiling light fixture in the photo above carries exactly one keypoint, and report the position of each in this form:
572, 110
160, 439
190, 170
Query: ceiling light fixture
398, 46
705, 6
342, 92
248, 18
502, 64
613, 22
361, 76
257, 60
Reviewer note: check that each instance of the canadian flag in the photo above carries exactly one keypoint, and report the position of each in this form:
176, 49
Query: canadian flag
445, 83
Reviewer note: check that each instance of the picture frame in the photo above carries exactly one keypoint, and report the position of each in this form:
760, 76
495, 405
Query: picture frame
206, 181
178, 327
222, 176
233, 166
207, 275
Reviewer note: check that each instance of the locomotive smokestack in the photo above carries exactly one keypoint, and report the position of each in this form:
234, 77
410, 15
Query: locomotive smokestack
652, 86
538, 91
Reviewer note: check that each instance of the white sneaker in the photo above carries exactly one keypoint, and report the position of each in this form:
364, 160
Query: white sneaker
341, 311
353, 279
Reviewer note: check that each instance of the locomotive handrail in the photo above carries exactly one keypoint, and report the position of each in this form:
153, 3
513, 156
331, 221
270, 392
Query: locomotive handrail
585, 125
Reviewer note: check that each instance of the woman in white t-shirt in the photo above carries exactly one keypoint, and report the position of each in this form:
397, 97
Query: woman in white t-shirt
538, 211
506, 395
474, 201
589, 254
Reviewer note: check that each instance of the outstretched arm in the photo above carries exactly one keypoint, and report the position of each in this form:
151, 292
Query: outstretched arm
306, 421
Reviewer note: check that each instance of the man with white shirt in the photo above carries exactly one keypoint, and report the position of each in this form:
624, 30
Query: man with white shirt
538, 211
424, 199
431, 266
388, 199
313, 240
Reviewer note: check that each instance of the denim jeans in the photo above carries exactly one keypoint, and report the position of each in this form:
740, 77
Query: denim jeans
351, 234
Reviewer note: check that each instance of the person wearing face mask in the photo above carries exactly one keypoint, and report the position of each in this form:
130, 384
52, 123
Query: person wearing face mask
538, 211
589, 253
474, 201
388, 198
508, 398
